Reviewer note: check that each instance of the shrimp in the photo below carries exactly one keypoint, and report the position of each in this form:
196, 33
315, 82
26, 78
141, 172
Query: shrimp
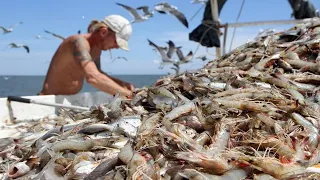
280, 147
203, 138
285, 65
229, 175
247, 105
224, 69
192, 144
269, 122
234, 91
138, 165
314, 132
163, 92
103, 168
180, 110
246, 61
251, 95
214, 165
314, 79
277, 82
177, 129
272, 166
263, 176
183, 98
148, 124
191, 121
221, 141
305, 66
297, 95
266, 62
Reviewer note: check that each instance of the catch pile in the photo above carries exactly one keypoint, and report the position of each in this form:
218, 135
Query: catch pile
251, 114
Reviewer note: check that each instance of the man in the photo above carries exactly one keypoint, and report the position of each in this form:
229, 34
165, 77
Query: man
78, 58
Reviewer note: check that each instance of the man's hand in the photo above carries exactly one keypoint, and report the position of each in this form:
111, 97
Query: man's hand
129, 86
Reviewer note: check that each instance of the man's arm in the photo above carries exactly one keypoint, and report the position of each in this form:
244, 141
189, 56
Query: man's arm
120, 82
93, 76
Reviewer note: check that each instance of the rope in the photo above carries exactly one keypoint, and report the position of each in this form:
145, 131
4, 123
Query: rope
199, 43
234, 30
195, 14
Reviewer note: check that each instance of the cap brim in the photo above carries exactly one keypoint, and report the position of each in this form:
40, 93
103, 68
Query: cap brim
123, 44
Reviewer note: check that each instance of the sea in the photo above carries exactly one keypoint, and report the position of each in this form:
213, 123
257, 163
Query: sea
31, 85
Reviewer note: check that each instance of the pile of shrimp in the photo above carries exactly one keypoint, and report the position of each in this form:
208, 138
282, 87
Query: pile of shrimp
252, 114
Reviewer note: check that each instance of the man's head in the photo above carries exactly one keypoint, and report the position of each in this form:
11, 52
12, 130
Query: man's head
115, 31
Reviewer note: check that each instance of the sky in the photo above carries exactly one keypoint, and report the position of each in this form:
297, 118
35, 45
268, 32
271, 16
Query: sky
67, 17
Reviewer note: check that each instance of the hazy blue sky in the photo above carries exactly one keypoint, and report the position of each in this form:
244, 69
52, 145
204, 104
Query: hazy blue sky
66, 17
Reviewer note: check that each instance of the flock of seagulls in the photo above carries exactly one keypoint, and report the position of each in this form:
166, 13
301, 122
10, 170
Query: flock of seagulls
167, 53
140, 14
162, 8
26, 47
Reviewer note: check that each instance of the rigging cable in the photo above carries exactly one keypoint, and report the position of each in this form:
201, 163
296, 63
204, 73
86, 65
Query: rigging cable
234, 30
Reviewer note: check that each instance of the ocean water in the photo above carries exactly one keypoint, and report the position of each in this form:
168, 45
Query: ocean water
31, 85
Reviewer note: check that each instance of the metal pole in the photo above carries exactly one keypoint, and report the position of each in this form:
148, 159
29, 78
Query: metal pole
275, 22
225, 39
215, 17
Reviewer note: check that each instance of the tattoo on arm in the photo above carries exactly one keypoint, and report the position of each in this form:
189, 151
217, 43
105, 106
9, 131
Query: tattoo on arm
80, 51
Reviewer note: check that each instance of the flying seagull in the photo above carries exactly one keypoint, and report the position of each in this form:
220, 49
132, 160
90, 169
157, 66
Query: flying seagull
184, 59
199, 1
163, 48
55, 35
119, 57
14, 45
146, 11
164, 7
135, 14
203, 57
41, 37
10, 29
164, 57
172, 49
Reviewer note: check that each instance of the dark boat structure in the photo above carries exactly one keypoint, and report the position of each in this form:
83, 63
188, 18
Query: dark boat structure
208, 32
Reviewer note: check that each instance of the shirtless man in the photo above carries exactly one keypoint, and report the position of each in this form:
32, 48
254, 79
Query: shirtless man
78, 58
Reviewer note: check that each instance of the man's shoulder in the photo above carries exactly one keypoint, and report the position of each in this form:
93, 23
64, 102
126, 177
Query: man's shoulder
77, 37
79, 40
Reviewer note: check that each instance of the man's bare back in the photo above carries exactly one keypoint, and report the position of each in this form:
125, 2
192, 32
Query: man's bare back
78, 58
65, 74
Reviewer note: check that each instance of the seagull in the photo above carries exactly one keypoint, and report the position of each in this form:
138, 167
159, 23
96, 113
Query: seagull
119, 57
55, 35
203, 57
14, 45
184, 59
10, 29
135, 14
41, 37
172, 49
146, 11
164, 57
198, 1
163, 48
165, 7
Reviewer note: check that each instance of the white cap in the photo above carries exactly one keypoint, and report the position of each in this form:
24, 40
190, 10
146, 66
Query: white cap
122, 27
